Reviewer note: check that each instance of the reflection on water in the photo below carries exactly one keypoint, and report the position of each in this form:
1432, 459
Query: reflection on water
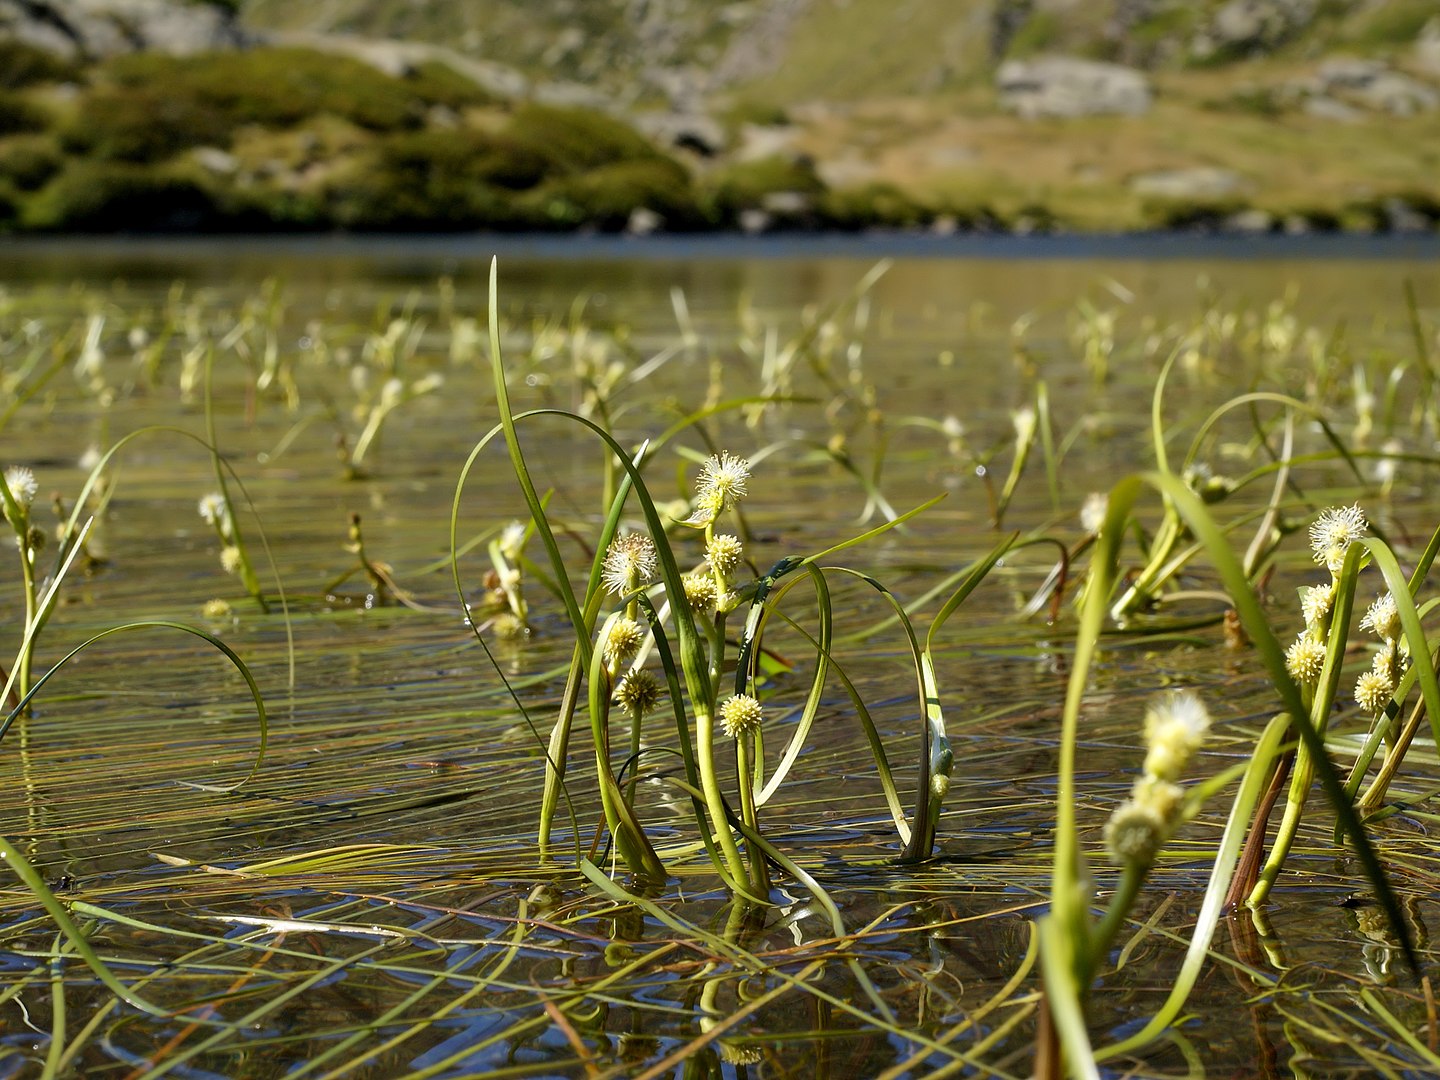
370, 902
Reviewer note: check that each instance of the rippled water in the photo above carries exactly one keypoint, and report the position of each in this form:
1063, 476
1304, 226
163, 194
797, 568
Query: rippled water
418, 934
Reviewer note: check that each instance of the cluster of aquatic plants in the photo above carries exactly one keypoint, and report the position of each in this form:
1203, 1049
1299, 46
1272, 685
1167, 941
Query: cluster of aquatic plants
675, 627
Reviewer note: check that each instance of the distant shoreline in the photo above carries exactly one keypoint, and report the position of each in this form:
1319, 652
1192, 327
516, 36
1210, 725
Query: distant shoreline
468, 247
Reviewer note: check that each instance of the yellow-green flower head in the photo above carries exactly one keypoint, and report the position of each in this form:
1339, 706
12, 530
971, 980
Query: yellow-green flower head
512, 539
629, 563
1203, 480
623, 641
1160, 796
1316, 602
1175, 726
740, 716
638, 693
1388, 662
1373, 691
22, 484
217, 610
1134, 834
1024, 421
700, 592
1332, 533
708, 505
507, 626
215, 513
725, 553
736, 1053
1092, 512
1383, 618
724, 475
231, 560
1305, 660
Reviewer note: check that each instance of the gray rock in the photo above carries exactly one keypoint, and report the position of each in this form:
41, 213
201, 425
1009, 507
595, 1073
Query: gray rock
1065, 86
1203, 183
1252, 26
761, 141
644, 221
1372, 85
101, 28
754, 221
1327, 108
1250, 221
215, 160
786, 203
1401, 217
1427, 47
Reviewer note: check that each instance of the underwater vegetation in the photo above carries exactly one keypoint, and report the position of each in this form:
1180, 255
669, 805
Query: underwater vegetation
740, 717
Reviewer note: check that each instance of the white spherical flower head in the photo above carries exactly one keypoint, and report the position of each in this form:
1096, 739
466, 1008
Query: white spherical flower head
638, 693
1315, 603
1332, 533
212, 508
623, 641
1305, 660
1383, 617
700, 591
1024, 421
231, 560
1134, 834
725, 553
740, 716
1175, 726
512, 537
22, 484
1373, 691
629, 563
723, 475
1092, 512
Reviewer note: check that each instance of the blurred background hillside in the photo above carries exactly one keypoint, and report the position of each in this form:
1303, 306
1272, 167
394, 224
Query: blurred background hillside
678, 115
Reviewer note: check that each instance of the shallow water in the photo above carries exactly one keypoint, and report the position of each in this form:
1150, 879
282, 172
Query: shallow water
418, 933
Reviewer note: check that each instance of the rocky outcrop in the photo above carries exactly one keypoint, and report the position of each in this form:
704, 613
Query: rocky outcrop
1065, 86
1202, 183
93, 29
1371, 85
1249, 27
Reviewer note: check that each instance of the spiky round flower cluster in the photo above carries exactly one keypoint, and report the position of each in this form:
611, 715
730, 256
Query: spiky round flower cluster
230, 559
1305, 659
1383, 617
1316, 602
1175, 726
1092, 512
629, 563
217, 610
1332, 533
725, 553
722, 483
512, 539
212, 509
1143, 822
1205, 482
1134, 834
700, 591
623, 641
22, 484
740, 715
1373, 691
507, 626
638, 693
